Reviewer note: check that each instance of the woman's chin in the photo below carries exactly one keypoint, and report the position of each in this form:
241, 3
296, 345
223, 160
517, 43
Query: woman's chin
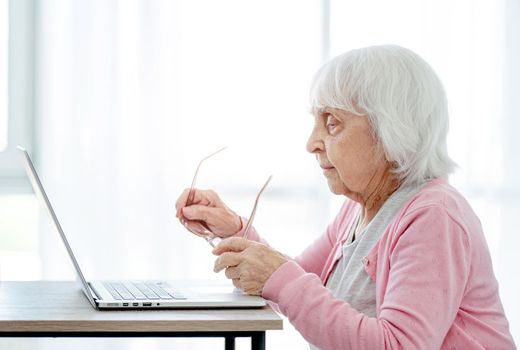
334, 187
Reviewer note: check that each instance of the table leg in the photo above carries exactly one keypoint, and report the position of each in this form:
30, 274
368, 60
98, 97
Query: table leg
258, 341
229, 343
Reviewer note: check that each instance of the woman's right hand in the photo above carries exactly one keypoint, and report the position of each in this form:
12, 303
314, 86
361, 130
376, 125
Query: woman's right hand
207, 208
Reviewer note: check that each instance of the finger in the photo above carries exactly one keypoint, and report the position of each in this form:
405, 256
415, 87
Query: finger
197, 197
196, 227
198, 212
227, 260
232, 244
250, 288
181, 202
232, 272
236, 282
206, 198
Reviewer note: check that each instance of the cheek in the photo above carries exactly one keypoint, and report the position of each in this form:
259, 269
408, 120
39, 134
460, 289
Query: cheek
343, 154
354, 161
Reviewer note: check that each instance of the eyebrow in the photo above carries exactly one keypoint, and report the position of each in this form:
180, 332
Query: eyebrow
321, 110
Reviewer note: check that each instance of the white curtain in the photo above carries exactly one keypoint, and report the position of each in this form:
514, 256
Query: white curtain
132, 94
3, 74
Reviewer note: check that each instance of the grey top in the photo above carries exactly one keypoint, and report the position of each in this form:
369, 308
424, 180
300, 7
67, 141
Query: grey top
349, 280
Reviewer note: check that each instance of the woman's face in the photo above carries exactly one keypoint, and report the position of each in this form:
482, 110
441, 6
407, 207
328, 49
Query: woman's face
347, 151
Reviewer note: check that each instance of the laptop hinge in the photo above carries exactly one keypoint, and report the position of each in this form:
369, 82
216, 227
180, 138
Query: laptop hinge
97, 296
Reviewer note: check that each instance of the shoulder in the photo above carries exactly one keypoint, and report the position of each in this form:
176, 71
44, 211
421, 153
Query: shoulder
440, 197
438, 210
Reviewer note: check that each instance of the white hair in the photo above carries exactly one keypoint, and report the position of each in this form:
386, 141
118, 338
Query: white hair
403, 99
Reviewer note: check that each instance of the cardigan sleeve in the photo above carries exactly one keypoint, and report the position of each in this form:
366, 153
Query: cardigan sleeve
429, 261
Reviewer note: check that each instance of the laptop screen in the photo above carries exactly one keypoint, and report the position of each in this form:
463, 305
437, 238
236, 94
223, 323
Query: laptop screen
42, 196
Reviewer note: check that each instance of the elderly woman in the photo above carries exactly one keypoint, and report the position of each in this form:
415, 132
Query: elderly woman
405, 264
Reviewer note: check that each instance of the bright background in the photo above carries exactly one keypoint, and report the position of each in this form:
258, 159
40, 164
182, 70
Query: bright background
127, 96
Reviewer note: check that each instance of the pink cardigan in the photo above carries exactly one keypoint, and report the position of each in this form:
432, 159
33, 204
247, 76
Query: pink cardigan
435, 286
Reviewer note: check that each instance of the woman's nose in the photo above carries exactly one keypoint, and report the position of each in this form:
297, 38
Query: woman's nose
314, 143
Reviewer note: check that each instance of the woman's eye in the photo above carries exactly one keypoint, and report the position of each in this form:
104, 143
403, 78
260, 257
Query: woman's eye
330, 123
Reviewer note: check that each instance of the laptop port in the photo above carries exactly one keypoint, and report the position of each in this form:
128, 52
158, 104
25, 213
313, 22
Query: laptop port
147, 304
125, 304
135, 304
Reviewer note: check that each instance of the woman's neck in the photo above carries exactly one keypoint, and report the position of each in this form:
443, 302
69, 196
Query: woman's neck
376, 195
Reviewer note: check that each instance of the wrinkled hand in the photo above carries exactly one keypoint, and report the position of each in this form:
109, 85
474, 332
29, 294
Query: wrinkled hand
207, 209
249, 264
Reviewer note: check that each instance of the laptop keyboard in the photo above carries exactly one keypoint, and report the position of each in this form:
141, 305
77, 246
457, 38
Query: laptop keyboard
142, 291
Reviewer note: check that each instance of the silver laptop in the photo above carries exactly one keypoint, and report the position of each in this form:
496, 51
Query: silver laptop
143, 294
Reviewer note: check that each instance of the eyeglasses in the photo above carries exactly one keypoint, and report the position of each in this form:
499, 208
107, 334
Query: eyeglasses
202, 230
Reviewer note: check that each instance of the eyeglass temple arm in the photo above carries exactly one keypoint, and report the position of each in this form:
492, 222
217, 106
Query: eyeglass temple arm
191, 193
252, 216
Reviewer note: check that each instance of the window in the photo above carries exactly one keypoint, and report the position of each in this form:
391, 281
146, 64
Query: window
131, 94
4, 30
16, 98
19, 255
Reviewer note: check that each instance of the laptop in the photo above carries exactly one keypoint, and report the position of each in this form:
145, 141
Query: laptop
132, 295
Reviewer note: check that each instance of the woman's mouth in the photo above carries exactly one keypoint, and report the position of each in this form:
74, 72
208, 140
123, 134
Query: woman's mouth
326, 169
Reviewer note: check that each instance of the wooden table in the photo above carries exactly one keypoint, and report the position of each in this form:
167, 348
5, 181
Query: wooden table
59, 309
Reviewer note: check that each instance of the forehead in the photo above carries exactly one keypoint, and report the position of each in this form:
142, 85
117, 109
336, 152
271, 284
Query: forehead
336, 112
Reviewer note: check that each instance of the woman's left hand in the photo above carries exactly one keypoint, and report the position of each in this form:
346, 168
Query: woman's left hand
249, 264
